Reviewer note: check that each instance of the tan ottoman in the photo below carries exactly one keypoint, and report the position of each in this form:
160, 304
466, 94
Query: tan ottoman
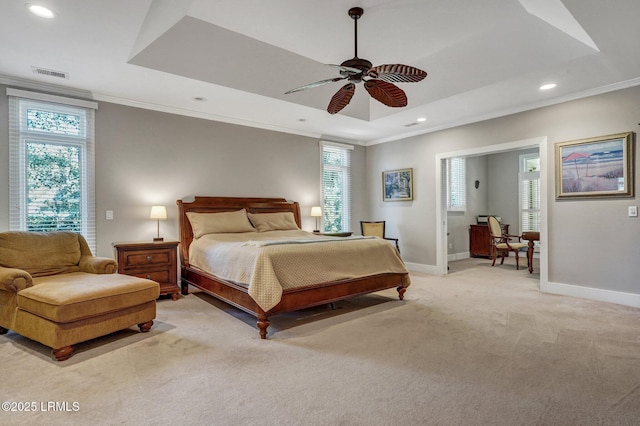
61, 310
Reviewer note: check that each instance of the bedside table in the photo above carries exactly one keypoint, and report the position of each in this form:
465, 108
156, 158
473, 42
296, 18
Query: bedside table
156, 261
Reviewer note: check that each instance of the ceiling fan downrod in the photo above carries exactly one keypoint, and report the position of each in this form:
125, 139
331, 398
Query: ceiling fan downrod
356, 63
355, 13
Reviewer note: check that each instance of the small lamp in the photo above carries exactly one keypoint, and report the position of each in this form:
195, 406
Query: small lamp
158, 212
316, 212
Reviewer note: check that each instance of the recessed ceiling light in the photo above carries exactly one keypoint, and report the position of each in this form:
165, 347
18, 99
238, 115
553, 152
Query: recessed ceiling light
421, 119
199, 99
41, 11
548, 86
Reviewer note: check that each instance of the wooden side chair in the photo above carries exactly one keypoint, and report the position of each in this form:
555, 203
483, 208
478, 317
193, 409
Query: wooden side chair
376, 229
501, 242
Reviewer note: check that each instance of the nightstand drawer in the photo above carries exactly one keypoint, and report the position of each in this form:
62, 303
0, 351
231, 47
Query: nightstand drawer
159, 276
136, 259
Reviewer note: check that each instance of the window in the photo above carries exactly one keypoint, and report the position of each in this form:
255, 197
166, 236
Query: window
529, 178
455, 169
51, 166
335, 186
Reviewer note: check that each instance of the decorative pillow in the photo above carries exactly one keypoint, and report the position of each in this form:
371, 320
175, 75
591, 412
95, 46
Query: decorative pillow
281, 221
213, 223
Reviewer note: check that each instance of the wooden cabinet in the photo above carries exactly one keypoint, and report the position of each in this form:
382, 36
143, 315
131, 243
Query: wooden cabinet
155, 261
480, 240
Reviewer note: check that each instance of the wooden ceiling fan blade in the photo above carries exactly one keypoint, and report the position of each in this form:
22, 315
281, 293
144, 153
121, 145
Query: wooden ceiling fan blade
315, 84
397, 73
387, 93
342, 98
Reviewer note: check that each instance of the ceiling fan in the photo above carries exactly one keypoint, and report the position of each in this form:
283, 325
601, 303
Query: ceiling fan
378, 81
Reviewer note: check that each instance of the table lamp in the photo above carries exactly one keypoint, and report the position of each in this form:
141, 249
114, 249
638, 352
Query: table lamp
158, 212
316, 212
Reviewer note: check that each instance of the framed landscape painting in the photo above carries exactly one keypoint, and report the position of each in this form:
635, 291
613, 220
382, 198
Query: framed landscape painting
397, 185
596, 167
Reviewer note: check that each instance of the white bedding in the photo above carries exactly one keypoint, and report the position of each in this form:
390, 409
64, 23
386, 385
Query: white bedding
270, 262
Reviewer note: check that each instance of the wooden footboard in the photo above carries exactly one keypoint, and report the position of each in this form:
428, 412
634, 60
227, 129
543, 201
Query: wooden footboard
293, 299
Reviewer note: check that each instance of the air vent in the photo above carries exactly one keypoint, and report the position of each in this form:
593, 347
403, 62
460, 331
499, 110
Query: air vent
50, 73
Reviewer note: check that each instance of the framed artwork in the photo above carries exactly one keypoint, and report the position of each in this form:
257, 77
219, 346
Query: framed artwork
397, 185
595, 167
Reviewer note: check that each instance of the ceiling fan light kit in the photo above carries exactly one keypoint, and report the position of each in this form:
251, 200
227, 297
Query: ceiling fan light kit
378, 81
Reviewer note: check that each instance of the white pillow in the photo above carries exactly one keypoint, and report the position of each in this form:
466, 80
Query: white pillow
281, 221
214, 223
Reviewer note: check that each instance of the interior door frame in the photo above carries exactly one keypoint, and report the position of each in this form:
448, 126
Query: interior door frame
441, 204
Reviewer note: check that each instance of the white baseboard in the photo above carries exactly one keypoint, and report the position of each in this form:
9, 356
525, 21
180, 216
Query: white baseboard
420, 267
601, 295
458, 256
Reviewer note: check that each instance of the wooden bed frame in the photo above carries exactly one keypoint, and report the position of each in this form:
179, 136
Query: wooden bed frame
237, 295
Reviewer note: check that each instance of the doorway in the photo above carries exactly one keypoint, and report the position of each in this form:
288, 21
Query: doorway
441, 204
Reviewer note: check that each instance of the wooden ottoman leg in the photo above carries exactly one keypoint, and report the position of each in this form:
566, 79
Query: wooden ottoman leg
62, 354
146, 326
401, 291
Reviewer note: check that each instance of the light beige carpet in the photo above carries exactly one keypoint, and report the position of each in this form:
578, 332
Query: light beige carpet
481, 346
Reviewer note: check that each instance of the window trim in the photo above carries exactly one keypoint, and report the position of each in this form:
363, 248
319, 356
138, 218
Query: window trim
347, 195
19, 100
523, 175
461, 178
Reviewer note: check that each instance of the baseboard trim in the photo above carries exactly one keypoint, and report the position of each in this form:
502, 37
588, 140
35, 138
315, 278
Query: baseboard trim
420, 267
458, 256
598, 294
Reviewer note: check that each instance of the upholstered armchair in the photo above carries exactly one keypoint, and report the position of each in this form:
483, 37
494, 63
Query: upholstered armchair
501, 242
376, 229
54, 291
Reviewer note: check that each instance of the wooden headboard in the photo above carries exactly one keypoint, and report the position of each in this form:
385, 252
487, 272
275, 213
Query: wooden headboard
227, 204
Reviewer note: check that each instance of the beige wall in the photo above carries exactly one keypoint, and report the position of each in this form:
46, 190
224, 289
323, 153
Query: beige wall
591, 243
146, 157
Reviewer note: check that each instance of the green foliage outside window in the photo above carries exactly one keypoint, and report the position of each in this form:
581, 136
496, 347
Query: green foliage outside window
334, 178
53, 187
51, 167
53, 122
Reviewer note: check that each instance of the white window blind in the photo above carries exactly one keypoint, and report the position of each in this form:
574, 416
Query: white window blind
529, 178
455, 170
51, 165
335, 186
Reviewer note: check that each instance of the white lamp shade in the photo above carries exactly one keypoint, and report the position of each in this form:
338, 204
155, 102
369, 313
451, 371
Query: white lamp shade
316, 211
158, 212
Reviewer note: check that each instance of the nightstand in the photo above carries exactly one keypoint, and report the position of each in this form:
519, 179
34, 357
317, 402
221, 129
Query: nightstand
155, 261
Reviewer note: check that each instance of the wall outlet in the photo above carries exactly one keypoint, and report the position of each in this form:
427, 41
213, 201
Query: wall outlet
109, 215
633, 211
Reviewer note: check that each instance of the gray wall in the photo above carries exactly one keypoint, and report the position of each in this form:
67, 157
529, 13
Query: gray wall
503, 187
146, 157
592, 243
